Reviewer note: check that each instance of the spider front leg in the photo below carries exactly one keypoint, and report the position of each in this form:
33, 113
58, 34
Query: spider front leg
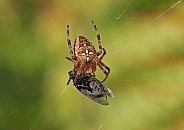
98, 38
70, 59
68, 81
74, 75
69, 43
71, 76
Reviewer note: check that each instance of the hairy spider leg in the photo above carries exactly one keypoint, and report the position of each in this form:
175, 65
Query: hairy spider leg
69, 43
98, 38
101, 65
103, 54
71, 51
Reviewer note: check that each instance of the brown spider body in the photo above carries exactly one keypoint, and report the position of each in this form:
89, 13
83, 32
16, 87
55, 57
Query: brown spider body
84, 52
85, 57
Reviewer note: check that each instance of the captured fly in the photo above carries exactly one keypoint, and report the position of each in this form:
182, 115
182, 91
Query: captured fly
93, 89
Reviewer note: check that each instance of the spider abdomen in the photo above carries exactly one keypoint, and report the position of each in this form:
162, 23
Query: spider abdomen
84, 50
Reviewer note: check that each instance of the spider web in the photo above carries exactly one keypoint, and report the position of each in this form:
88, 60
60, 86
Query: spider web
144, 44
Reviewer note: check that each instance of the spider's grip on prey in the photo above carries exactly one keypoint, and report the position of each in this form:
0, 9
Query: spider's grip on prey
85, 57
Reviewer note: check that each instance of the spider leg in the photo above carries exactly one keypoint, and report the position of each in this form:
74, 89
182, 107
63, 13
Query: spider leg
69, 43
74, 74
70, 77
98, 37
104, 53
101, 65
70, 59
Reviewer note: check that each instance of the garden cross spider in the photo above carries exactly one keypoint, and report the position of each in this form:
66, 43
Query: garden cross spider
85, 57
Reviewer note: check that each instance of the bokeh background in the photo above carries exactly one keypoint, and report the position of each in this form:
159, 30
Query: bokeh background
144, 40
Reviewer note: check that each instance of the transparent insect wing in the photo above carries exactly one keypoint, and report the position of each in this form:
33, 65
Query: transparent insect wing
109, 92
101, 100
98, 91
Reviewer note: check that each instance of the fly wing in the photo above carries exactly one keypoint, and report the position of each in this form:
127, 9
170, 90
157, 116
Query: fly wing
109, 92
101, 100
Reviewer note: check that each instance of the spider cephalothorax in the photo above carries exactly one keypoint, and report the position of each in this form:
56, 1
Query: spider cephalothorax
85, 57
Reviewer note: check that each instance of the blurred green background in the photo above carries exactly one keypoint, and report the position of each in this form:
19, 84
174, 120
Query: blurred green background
144, 40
